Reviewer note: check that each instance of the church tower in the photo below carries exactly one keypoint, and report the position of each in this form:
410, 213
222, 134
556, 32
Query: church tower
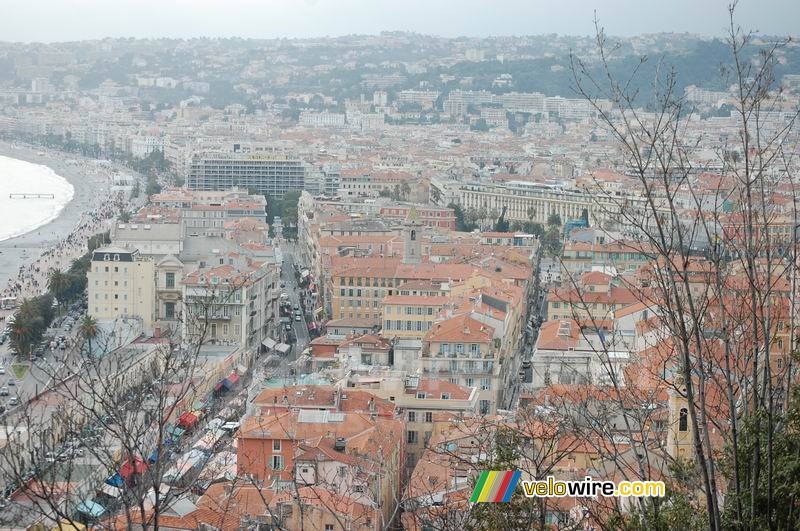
679, 430
412, 248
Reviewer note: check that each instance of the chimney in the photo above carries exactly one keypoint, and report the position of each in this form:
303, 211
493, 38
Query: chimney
285, 400
371, 404
340, 444
157, 332
337, 399
274, 399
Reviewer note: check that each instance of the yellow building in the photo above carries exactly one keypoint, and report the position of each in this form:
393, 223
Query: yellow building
121, 284
409, 316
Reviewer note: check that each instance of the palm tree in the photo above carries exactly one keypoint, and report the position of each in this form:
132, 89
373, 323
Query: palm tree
88, 330
27, 327
58, 283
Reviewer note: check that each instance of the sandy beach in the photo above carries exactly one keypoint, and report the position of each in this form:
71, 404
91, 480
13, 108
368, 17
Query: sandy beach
63, 239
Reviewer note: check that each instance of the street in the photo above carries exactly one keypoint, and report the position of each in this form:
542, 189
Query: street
300, 328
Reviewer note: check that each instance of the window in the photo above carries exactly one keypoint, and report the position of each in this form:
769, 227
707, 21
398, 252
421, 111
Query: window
277, 462
359, 488
328, 527
484, 407
683, 421
170, 280
428, 416
411, 437
486, 384
445, 396
474, 348
412, 416
470, 382
169, 310
421, 394
276, 445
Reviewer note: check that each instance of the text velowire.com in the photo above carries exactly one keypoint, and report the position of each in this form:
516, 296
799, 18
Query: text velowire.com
588, 487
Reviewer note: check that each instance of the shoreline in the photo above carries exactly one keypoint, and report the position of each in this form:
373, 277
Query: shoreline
52, 216
25, 259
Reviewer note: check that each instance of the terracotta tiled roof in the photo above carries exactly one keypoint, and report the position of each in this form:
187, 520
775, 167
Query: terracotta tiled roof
461, 328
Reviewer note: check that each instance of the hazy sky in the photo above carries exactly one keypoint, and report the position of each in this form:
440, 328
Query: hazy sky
60, 20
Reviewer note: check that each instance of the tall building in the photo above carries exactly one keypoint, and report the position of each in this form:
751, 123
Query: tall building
121, 285
265, 173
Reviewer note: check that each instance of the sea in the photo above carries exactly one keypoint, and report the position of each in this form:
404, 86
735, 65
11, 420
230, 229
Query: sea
20, 211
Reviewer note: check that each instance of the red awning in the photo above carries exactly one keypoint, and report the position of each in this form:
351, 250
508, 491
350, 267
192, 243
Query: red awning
233, 377
128, 469
187, 420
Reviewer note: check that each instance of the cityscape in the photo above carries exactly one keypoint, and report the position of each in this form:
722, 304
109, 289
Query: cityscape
390, 280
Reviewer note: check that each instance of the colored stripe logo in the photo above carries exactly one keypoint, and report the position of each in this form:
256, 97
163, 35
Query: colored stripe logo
495, 486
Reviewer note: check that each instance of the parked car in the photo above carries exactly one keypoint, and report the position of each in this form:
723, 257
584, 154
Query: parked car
3, 391
13, 401
2, 370
11, 382
298, 318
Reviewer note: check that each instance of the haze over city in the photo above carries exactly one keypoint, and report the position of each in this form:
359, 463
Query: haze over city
69, 20
351, 265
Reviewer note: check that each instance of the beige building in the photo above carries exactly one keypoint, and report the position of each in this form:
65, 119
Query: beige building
462, 348
121, 284
409, 316
421, 401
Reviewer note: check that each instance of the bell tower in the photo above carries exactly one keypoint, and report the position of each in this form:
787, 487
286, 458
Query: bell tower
412, 248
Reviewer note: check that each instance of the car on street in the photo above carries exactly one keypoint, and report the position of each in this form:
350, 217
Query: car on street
2, 370
298, 318
3, 391
13, 401
11, 382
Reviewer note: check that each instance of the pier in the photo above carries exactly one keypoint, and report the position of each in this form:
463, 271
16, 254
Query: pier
31, 196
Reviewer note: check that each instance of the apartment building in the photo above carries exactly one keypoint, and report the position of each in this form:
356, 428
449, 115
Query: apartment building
120, 285
267, 173
410, 316
525, 201
232, 301
421, 401
579, 257
594, 296
464, 349
441, 218
339, 439
570, 352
